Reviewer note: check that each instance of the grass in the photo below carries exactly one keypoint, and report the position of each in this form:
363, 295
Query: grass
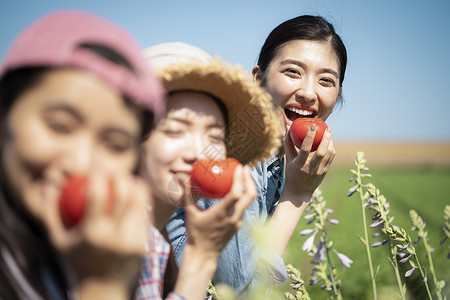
425, 189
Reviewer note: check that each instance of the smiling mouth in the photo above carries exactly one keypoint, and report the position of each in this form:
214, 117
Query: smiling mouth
293, 113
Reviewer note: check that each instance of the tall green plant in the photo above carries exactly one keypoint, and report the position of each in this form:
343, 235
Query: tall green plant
419, 226
324, 272
400, 243
358, 174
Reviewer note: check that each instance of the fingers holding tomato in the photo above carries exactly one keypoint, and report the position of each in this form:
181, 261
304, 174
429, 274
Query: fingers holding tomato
74, 197
300, 128
104, 211
213, 179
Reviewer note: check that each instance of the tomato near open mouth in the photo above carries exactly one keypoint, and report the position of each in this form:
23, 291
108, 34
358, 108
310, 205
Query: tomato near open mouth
300, 127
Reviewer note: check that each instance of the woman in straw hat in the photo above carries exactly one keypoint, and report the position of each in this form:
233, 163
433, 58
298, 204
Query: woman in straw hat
206, 101
302, 65
74, 90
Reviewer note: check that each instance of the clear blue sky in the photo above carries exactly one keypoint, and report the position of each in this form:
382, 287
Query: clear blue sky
397, 83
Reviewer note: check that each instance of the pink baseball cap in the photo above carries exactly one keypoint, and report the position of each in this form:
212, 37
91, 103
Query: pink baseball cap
57, 40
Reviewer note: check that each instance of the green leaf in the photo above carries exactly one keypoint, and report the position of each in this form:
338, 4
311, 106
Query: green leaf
412, 263
376, 271
362, 240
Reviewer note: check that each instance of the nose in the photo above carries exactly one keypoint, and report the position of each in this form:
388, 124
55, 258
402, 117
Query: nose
306, 92
196, 148
79, 155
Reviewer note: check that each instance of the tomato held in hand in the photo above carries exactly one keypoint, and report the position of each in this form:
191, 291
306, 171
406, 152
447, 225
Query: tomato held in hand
212, 179
72, 204
300, 127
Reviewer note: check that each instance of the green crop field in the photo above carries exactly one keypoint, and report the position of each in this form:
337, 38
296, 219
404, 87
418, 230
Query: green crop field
426, 190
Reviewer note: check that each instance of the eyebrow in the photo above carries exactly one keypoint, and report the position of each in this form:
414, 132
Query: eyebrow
70, 110
304, 66
188, 122
66, 108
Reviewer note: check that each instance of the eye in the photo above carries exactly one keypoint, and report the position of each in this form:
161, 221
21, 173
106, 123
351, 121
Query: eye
217, 135
219, 139
172, 132
118, 142
59, 127
328, 82
60, 124
292, 72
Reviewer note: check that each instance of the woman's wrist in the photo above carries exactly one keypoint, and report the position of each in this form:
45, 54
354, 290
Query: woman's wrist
297, 198
196, 271
199, 260
103, 289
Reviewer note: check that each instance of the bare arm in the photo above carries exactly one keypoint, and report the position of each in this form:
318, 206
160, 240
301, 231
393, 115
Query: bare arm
304, 173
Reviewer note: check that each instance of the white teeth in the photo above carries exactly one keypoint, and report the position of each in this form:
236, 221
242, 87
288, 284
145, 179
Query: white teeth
300, 111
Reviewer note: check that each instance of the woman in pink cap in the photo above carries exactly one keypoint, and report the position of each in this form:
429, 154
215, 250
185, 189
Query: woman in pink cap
76, 101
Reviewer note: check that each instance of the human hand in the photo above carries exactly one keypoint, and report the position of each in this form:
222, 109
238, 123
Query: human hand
210, 230
305, 170
109, 242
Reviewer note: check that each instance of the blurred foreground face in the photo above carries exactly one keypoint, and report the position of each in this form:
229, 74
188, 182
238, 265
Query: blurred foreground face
194, 128
69, 123
303, 80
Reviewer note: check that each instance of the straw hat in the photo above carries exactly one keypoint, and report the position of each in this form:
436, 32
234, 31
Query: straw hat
252, 132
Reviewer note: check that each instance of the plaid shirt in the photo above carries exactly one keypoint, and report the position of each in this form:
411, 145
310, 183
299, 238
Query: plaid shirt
152, 273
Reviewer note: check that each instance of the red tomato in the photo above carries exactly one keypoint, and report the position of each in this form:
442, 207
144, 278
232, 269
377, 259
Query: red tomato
72, 204
300, 127
212, 179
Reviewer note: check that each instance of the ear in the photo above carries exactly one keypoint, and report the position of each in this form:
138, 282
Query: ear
340, 92
256, 73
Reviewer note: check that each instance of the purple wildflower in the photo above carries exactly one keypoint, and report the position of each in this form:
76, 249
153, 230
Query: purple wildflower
306, 232
425, 278
377, 234
313, 280
403, 247
352, 190
376, 224
333, 221
343, 259
307, 217
376, 216
309, 243
377, 244
296, 285
320, 254
405, 259
409, 272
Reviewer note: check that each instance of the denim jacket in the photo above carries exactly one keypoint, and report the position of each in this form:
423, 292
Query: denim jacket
239, 265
